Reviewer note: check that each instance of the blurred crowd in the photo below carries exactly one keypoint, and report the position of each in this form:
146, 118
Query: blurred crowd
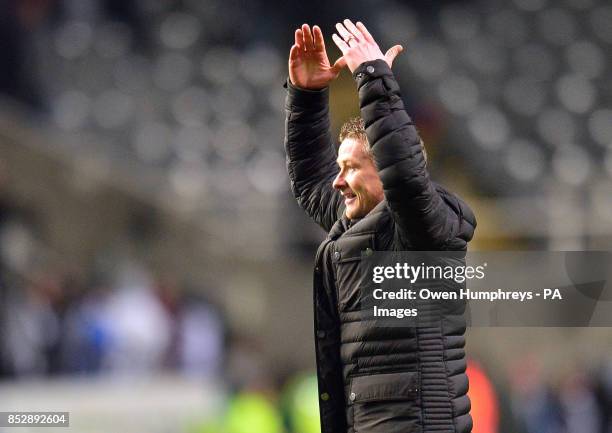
115, 316
126, 323
579, 401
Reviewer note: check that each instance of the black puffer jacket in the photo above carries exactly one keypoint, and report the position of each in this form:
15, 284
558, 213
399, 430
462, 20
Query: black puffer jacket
374, 379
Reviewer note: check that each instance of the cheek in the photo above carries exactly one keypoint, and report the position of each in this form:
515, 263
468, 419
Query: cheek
358, 185
374, 189
377, 188
373, 185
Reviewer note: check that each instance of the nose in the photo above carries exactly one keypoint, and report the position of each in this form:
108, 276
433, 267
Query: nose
339, 182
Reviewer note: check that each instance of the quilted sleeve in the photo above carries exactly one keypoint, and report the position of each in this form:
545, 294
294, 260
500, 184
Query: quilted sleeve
424, 216
311, 158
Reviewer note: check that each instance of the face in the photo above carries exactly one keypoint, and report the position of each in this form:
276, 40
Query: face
358, 180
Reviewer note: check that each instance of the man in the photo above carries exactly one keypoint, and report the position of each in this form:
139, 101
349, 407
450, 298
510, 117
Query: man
375, 195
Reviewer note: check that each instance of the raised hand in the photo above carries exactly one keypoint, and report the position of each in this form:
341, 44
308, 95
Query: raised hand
309, 66
358, 45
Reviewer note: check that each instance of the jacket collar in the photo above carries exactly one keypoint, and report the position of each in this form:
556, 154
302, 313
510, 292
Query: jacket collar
346, 225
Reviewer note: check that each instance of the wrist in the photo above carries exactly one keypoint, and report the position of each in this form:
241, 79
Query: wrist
306, 98
371, 69
297, 87
312, 88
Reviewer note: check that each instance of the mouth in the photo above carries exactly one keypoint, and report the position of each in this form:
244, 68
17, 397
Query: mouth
349, 197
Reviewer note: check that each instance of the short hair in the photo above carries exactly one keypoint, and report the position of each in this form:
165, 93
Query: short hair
355, 128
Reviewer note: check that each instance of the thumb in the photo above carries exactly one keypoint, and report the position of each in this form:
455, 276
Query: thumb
339, 64
392, 53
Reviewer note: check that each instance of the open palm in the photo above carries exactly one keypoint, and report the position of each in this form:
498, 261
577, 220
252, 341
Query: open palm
309, 66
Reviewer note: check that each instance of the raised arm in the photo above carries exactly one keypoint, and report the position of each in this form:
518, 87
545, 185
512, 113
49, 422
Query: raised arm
427, 216
311, 159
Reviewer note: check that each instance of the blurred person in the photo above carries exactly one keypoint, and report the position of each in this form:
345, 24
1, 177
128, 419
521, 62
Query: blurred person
375, 194
86, 339
300, 404
245, 412
535, 403
483, 399
603, 393
31, 328
170, 296
578, 400
251, 412
541, 410
197, 332
138, 327
201, 338
21, 22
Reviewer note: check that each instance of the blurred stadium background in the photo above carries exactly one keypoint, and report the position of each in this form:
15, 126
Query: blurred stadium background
155, 270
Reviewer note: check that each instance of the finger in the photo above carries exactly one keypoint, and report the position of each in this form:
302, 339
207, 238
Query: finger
308, 41
343, 32
340, 43
392, 53
366, 34
319, 42
299, 39
354, 30
294, 53
338, 65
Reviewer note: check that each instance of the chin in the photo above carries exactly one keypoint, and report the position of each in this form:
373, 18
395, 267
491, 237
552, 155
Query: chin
353, 214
